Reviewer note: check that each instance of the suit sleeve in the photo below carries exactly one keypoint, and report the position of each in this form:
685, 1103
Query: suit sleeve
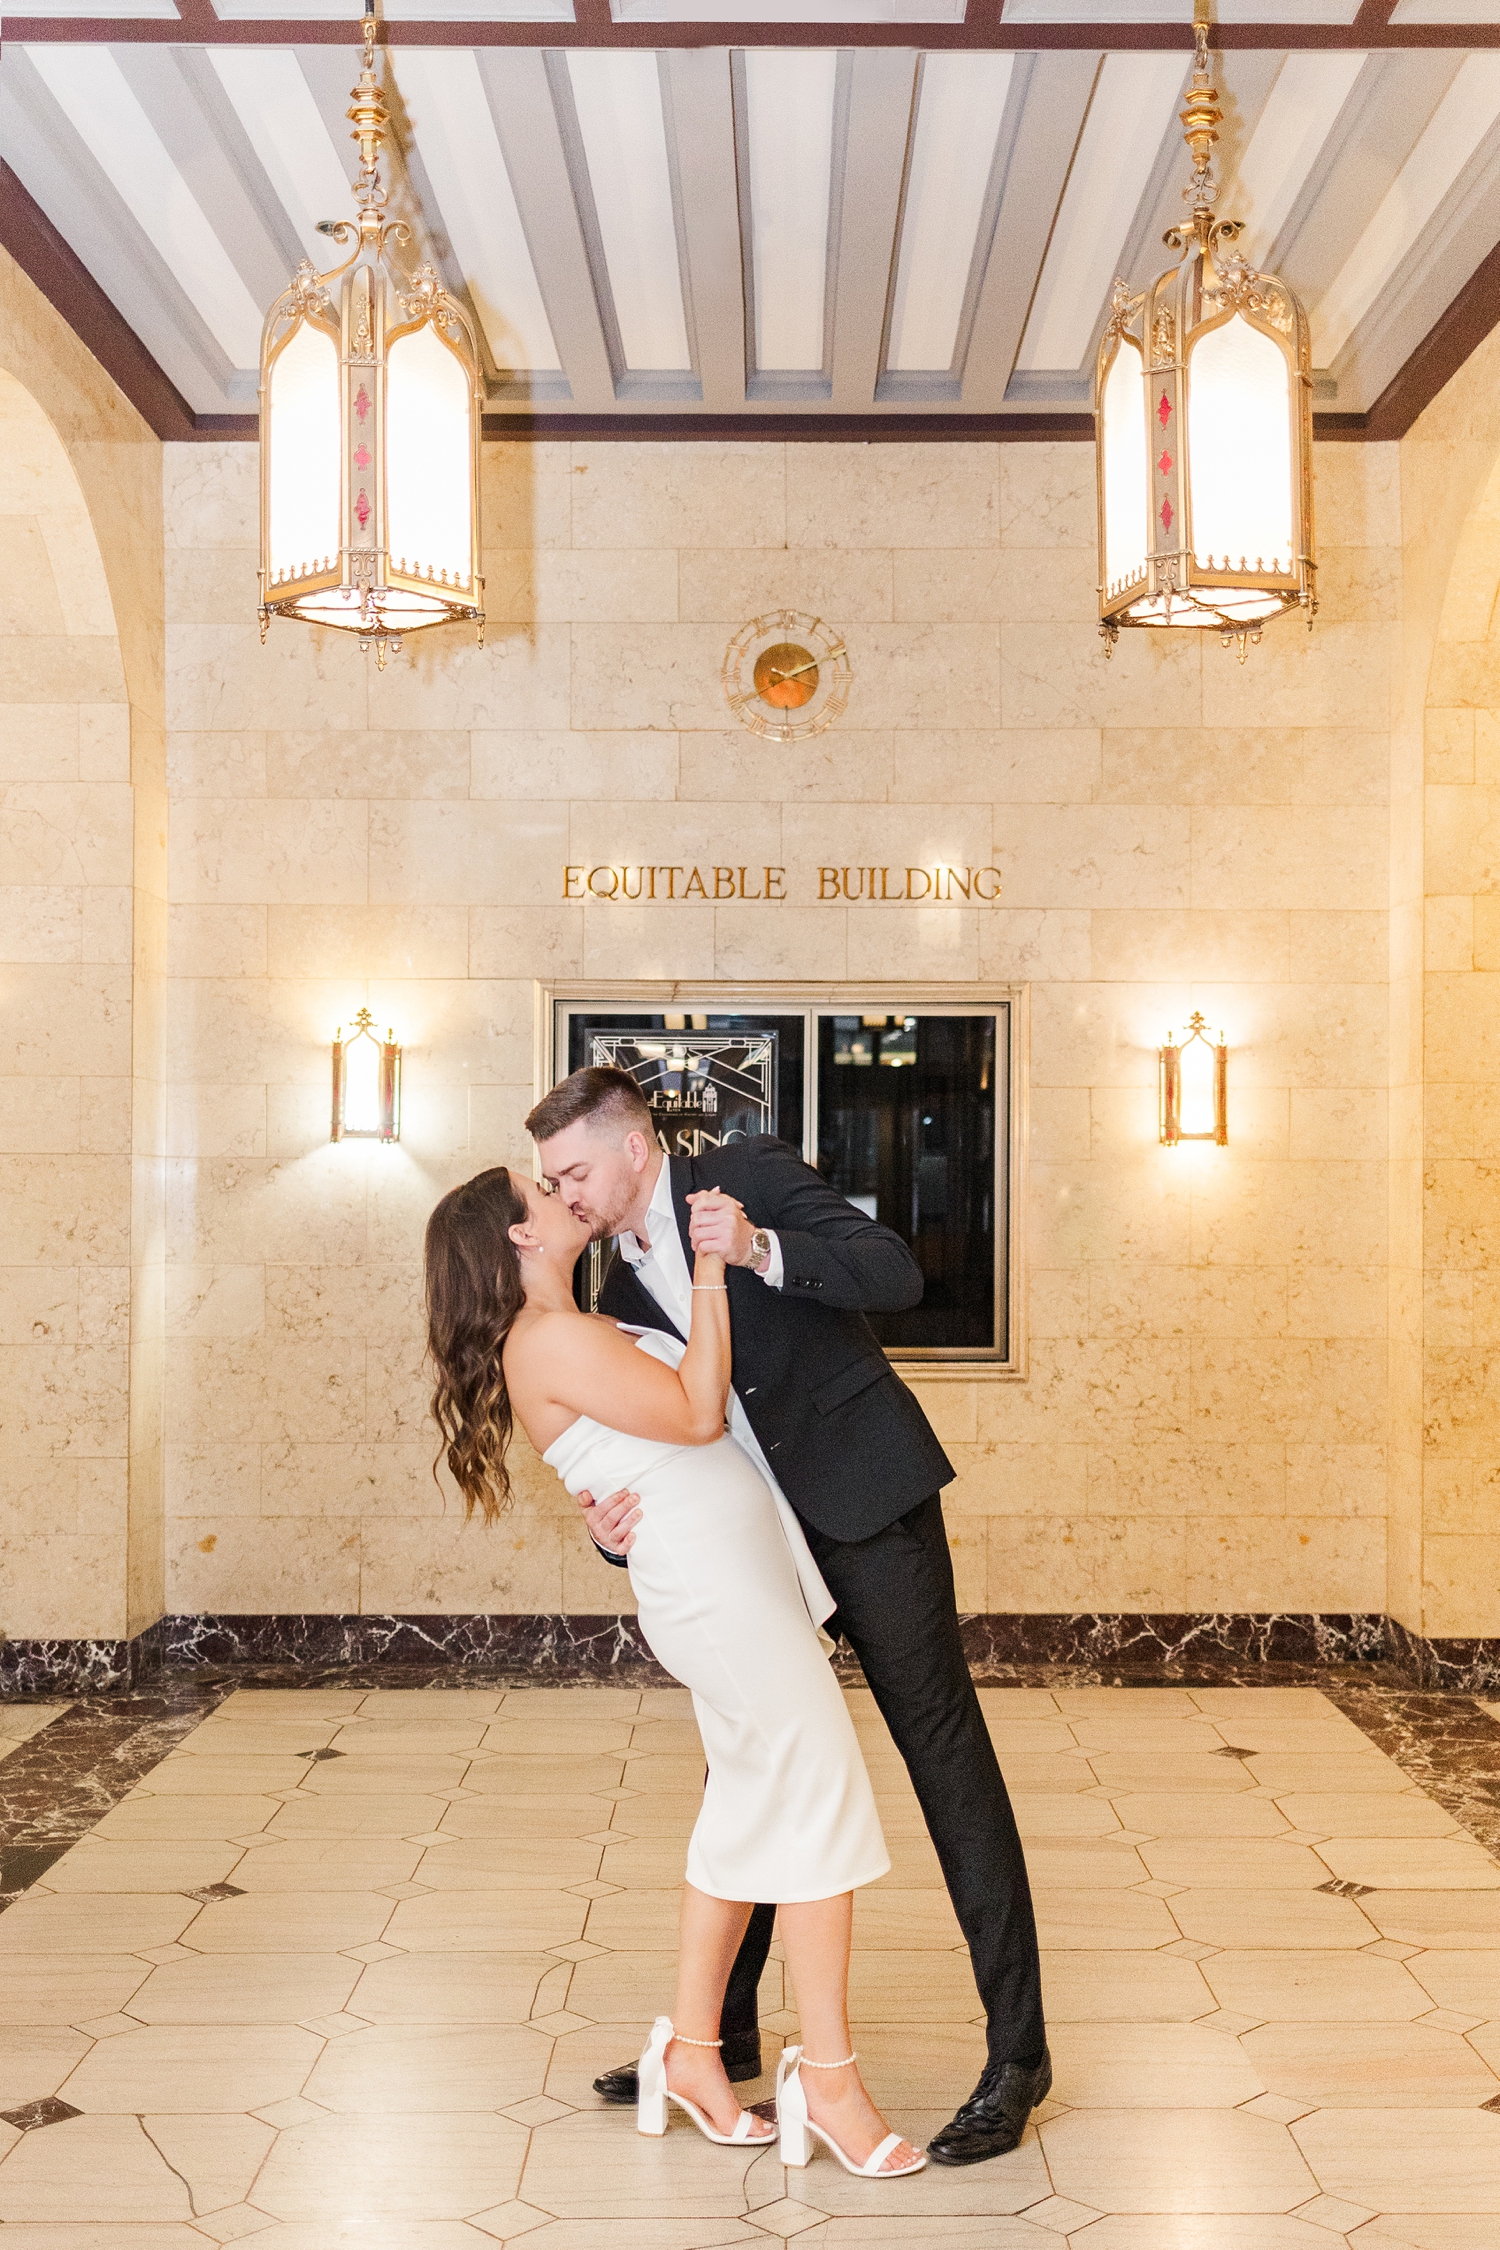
831, 1253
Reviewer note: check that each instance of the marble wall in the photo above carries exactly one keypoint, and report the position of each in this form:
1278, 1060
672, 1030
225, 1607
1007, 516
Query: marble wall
82, 974
1445, 1514
1203, 1420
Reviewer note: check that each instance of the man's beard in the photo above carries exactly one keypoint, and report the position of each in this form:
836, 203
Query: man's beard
602, 1224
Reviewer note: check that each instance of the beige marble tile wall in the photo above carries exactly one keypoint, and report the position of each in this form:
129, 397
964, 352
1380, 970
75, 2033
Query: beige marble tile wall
1446, 1557
1203, 1422
82, 972
65, 934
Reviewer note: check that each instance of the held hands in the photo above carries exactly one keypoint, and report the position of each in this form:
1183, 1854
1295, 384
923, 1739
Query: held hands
718, 1228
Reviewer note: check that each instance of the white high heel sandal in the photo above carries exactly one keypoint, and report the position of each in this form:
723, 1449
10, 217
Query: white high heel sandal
797, 2131
653, 2094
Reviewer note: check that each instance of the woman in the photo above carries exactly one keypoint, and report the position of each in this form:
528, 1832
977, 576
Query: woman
723, 1581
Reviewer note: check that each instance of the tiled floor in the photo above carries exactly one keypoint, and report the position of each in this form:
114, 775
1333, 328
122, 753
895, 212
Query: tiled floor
20, 1721
339, 1971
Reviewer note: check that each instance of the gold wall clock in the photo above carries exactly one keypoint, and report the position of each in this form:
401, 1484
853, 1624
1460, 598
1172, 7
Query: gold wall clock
786, 675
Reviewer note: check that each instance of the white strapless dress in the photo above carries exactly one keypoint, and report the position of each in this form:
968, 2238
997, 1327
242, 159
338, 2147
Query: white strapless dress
730, 1601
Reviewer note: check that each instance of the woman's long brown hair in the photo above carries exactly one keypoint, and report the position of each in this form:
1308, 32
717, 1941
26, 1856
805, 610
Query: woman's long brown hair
473, 1295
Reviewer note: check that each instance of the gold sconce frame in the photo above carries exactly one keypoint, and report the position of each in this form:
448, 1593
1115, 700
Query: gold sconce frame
1175, 1118
378, 1119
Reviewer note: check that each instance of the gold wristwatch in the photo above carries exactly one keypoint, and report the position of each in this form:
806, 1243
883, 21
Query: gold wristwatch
760, 1251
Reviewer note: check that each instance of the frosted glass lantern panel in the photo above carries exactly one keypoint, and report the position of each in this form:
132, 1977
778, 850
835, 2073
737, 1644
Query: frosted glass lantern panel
361, 1085
1127, 476
302, 463
1240, 450
1196, 1070
428, 478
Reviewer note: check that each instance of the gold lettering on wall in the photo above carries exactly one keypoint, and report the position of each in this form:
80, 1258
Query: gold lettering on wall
889, 886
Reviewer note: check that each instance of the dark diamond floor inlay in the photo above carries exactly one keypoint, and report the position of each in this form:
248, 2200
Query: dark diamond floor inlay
30, 2115
316, 1757
1229, 1751
1340, 1888
208, 1892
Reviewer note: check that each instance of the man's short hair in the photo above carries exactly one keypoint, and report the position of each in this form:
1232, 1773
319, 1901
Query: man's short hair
607, 1097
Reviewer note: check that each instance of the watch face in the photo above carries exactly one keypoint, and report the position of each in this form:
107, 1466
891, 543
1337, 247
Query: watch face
786, 675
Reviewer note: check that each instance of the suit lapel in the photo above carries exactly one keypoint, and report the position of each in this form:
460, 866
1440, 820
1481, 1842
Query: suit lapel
632, 1301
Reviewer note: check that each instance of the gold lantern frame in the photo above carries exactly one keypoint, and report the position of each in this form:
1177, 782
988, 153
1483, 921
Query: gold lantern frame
1169, 1085
365, 309
1211, 285
388, 1083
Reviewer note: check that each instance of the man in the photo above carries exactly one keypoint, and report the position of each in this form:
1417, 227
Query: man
817, 1404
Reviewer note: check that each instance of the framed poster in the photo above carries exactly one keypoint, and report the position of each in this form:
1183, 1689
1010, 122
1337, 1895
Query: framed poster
906, 1103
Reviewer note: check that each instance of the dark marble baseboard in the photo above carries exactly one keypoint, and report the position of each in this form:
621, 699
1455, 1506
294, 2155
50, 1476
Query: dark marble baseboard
1193, 1648
45, 1667
548, 1647
1169, 1646
604, 1647
1460, 1667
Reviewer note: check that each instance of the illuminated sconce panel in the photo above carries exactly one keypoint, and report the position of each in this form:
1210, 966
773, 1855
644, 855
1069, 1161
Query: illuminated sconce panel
1193, 1082
366, 1083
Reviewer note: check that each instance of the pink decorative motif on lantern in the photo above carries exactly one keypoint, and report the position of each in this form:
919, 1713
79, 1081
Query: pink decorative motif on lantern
1163, 411
1166, 515
362, 508
1164, 464
362, 404
362, 458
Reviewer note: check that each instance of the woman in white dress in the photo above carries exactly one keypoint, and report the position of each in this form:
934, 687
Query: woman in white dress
730, 1601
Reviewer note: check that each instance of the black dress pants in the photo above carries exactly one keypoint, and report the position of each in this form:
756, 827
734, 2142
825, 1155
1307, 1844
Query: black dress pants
897, 1611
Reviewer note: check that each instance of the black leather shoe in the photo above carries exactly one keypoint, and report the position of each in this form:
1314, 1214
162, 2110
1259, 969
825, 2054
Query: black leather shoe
993, 2118
741, 2061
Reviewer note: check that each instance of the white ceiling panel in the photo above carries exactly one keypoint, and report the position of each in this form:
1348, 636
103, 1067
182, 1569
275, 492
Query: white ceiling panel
959, 109
1128, 117
92, 91
1289, 136
451, 122
1179, 11
617, 100
1446, 11
109, 9
787, 11
393, 11
789, 105
836, 229
274, 103
1463, 118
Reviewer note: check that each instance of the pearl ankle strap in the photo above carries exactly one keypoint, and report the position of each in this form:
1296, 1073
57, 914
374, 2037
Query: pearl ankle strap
683, 2040
809, 2064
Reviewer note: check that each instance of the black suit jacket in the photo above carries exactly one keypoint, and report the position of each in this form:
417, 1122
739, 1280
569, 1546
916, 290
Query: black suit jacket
846, 1441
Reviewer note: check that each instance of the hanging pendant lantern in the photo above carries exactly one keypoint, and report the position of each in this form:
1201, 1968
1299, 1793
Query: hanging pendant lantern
1203, 422
371, 400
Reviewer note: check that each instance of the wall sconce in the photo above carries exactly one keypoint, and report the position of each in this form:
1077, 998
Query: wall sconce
366, 1084
1193, 1081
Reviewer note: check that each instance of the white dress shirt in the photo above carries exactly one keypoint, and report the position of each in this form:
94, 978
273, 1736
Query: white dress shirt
664, 1270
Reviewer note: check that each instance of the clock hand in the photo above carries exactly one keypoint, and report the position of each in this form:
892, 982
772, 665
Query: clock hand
810, 666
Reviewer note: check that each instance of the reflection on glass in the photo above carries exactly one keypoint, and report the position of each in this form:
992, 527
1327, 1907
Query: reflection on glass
361, 1085
1196, 1070
708, 1080
913, 1144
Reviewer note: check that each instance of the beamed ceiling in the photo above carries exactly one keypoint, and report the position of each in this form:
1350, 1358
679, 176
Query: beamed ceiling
692, 216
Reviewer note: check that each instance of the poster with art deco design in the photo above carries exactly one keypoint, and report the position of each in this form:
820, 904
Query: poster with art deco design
703, 1088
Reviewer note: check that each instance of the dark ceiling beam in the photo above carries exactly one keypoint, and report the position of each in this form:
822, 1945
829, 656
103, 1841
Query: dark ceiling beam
65, 281
984, 28
1474, 312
